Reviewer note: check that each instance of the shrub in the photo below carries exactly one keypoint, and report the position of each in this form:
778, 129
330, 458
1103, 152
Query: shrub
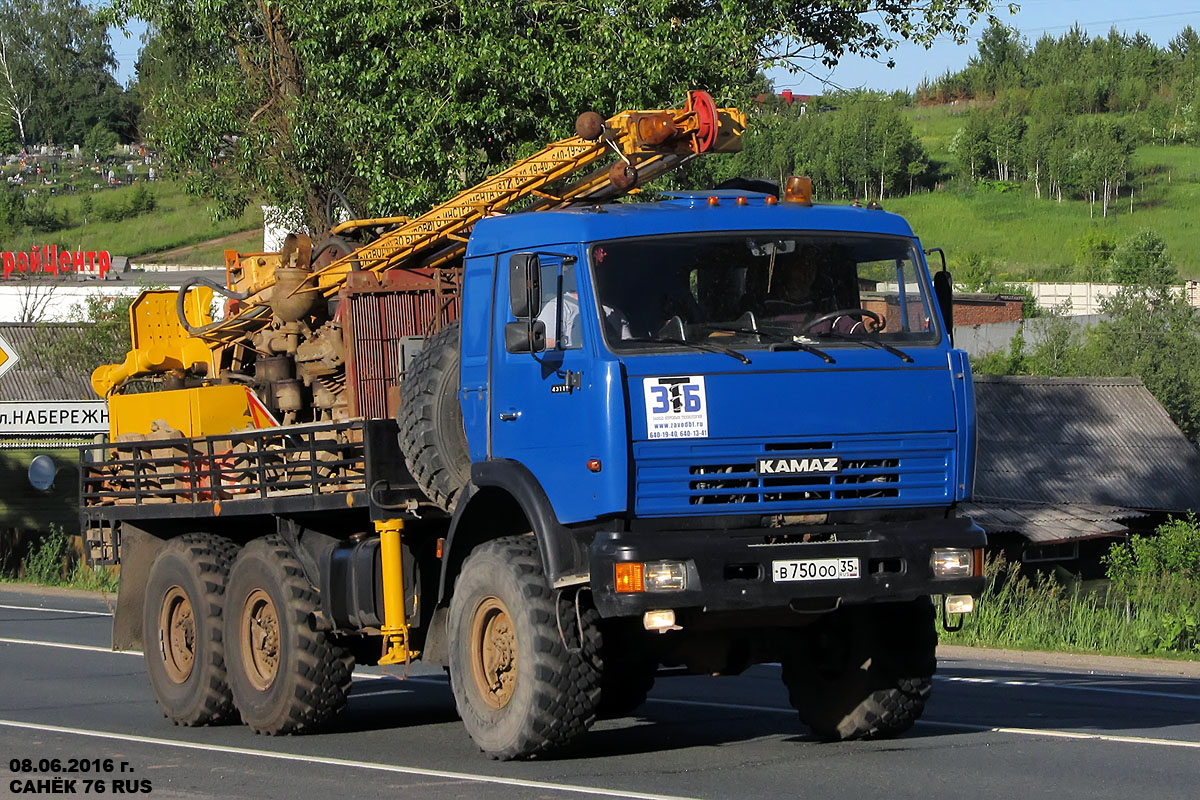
46, 562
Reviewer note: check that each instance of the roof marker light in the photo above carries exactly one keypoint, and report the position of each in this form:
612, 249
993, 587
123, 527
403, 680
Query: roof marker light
713, 200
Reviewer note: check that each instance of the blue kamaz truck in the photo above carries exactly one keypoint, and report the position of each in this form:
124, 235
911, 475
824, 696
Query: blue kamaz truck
721, 429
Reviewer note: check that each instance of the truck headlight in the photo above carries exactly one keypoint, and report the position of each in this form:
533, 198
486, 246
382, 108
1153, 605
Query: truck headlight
953, 562
666, 576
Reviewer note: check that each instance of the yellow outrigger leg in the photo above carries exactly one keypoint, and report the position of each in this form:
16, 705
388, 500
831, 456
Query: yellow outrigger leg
395, 619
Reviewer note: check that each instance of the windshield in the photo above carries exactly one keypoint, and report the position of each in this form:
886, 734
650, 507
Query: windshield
762, 289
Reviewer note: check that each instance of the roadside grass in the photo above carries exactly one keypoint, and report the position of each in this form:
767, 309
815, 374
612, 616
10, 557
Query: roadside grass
1159, 615
53, 562
177, 220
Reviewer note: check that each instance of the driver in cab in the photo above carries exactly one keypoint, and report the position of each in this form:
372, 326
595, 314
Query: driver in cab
791, 298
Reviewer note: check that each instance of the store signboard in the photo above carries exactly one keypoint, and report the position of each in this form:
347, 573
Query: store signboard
50, 260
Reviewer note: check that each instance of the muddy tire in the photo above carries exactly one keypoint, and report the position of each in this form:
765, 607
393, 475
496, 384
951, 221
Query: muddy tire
519, 689
430, 420
864, 672
286, 676
182, 629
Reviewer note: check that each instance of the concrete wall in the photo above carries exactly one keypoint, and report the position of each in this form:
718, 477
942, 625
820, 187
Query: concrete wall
1085, 298
979, 340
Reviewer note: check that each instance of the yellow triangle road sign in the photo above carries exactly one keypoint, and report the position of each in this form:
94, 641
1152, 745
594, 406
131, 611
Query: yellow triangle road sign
8, 356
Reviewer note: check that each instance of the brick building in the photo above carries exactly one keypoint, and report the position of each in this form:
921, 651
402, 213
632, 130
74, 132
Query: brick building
970, 308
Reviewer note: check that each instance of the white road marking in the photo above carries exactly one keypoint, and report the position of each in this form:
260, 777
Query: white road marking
1057, 734
340, 762
59, 611
1071, 686
64, 645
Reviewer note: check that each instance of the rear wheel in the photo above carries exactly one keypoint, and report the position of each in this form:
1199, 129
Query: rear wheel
285, 676
523, 680
864, 672
181, 629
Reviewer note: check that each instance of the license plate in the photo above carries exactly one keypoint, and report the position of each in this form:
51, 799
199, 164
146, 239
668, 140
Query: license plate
814, 569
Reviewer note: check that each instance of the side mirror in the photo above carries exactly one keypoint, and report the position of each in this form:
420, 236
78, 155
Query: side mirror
943, 287
525, 337
524, 284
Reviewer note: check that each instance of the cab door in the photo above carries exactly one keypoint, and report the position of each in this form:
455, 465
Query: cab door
549, 409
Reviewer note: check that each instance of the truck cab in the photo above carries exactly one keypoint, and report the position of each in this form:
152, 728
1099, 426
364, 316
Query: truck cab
724, 403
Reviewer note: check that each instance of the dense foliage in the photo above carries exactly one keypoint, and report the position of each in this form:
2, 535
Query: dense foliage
850, 144
393, 106
1078, 74
56, 79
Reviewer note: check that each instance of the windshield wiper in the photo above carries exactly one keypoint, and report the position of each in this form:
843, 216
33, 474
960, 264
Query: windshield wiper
783, 341
875, 343
796, 343
710, 348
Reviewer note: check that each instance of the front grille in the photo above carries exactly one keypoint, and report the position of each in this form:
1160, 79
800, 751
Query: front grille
674, 478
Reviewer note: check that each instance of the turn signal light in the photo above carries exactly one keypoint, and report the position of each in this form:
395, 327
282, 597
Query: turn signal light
629, 577
798, 189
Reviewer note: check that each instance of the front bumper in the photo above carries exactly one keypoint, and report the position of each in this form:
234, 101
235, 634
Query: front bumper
730, 570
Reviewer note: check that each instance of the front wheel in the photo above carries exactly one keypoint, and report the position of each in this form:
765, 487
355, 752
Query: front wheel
524, 679
864, 672
286, 676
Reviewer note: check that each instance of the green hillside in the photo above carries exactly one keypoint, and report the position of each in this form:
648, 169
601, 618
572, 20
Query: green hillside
1029, 237
118, 221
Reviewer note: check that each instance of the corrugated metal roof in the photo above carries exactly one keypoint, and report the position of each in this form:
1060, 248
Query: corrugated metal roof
33, 377
1045, 523
1089, 441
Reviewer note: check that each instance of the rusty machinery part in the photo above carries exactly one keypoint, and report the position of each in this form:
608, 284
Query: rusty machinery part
708, 120
589, 125
623, 176
296, 251
181, 296
334, 248
293, 297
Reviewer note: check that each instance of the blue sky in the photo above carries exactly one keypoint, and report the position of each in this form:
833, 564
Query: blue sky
1158, 19
1161, 20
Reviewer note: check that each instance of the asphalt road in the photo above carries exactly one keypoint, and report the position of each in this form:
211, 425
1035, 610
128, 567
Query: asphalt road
993, 728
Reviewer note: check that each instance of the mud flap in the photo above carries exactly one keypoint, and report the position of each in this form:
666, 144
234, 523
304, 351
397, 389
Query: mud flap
138, 551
